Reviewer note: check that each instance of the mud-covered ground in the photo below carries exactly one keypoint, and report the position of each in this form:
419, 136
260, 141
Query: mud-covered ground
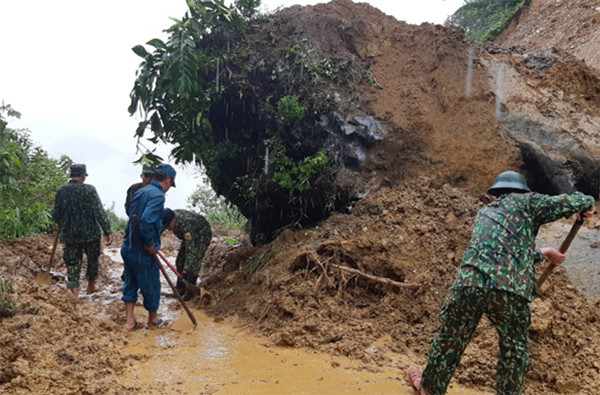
426, 181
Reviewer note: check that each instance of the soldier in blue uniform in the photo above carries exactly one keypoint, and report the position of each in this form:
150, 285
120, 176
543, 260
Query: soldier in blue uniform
141, 241
80, 215
497, 278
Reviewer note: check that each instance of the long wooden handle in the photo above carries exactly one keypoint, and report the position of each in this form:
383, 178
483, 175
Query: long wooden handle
563, 248
187, 310
53, 249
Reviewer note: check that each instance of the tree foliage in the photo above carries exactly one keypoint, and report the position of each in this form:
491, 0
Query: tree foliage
483, 20
29, 179
249, 106
216, 209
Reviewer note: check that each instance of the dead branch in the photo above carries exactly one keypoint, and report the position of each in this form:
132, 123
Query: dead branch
378, 279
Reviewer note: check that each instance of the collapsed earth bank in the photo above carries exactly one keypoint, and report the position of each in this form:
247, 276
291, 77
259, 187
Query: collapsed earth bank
448, 129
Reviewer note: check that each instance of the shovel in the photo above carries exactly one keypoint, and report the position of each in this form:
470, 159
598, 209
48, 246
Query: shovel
190, 287
174, 288
44, 277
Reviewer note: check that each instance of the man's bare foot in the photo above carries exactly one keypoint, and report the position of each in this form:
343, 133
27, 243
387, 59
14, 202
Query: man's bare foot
92, 288
131, 326
414, 378
157, 324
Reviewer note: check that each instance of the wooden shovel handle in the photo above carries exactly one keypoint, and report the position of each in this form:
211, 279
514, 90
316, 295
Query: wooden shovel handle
53, 249
185, 307
563, 248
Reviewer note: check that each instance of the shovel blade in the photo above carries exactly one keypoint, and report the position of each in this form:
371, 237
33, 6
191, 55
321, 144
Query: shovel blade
192, 288
43, 278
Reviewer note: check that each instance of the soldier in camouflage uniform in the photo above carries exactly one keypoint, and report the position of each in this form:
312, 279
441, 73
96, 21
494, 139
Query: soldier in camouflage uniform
497, 278
146, 176
80, 215
195, 232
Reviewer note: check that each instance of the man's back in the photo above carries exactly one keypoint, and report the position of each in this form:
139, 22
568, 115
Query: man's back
143, 228
79, 212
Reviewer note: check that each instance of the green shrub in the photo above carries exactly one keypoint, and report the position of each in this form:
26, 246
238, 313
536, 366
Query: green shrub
8, 300
290, 110
215, 209
116, 223
29, 179
483, 20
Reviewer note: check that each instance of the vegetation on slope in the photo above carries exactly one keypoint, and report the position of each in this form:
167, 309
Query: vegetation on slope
248, 103
29, 179
483, 20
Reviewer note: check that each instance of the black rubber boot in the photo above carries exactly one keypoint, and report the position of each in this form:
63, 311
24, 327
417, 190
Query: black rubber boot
189, 295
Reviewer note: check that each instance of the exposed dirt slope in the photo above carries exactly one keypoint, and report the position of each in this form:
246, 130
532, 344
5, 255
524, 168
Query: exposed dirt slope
442, 149
569, 26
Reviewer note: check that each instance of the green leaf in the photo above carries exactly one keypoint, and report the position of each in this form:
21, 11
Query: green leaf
140, 51
156, 43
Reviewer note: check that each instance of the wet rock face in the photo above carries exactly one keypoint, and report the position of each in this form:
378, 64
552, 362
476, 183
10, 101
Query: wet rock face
349, 140
554, 161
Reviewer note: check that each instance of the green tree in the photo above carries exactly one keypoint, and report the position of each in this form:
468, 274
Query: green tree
29, 180
252, 107
216, 209
483, 20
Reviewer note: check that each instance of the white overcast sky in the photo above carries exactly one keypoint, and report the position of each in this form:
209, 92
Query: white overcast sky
68, 68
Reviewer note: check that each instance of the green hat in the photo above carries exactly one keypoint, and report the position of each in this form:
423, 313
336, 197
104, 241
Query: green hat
147, 169
509, 181
78, 169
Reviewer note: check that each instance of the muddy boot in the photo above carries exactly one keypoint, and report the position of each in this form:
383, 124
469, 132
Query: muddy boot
189, 295
180, 286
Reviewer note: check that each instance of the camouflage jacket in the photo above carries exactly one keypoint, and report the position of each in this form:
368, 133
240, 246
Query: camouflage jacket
130, 192
79, 212
502, 253
194, 231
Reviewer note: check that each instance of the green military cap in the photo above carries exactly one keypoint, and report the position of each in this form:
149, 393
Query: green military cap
147, 169
78, 169
509, 181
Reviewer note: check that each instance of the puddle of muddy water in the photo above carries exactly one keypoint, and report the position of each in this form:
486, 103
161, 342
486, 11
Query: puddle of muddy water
218, 358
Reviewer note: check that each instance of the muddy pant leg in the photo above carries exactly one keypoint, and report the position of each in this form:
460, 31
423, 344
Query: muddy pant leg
92, 251
459, 318
511, 317
180, 260
73, 257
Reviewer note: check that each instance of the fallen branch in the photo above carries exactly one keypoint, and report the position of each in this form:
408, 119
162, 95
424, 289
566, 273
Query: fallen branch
382, 280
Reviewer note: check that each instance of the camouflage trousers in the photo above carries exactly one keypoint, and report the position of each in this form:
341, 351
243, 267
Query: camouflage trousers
462, 310
190, 257
73, 257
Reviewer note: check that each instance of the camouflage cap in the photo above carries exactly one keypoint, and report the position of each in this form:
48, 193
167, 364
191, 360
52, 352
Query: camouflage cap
147, 169
78, 169
166, 169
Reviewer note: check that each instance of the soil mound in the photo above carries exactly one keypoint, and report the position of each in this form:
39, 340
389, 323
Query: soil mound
368, 284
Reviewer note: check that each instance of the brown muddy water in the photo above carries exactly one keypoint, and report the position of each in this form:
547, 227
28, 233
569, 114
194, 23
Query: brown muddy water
222, 358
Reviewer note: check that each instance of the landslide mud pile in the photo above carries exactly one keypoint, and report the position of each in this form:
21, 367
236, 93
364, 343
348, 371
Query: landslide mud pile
443, 145
50, 345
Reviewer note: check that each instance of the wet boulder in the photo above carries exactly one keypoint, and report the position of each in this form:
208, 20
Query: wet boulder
555, 162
